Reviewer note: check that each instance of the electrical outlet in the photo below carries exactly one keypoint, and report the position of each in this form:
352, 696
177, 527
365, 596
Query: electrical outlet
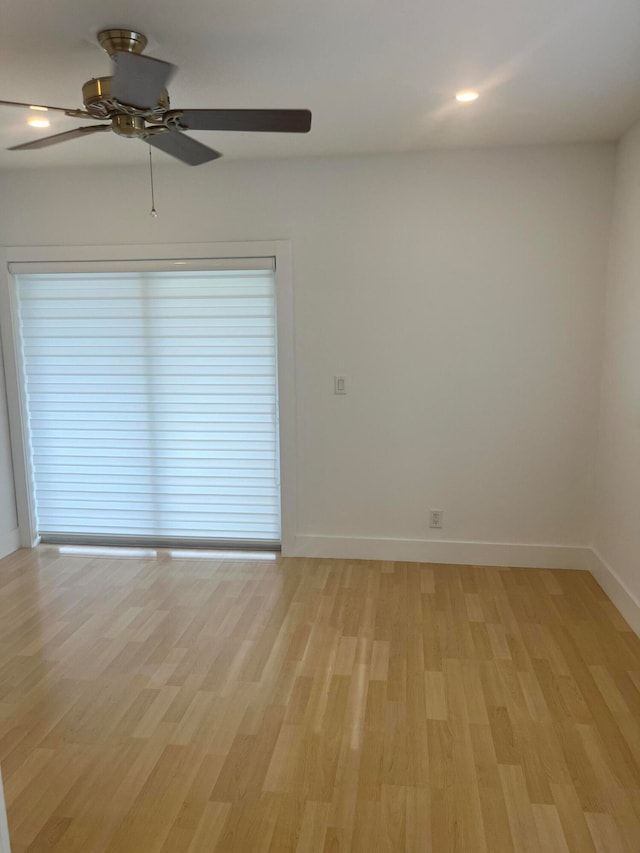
435, 518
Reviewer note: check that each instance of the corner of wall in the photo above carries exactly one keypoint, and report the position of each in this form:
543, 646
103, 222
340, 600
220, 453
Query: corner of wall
606, 273
617, 590
614, 531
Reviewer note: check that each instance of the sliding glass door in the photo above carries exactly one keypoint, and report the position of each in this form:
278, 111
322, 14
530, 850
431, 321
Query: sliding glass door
152, 403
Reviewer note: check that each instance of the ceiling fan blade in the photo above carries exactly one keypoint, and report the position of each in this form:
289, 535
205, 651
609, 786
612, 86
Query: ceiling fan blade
183, 147
60, 137
139, 81
269, 121
41, 107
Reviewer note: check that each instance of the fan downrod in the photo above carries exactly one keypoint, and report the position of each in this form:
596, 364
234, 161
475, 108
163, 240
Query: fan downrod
126, 40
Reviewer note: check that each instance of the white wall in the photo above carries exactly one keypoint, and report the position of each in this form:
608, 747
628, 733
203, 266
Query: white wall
460, 293
617, 524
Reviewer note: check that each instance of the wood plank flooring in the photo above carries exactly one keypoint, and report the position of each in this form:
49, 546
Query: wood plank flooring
313, 706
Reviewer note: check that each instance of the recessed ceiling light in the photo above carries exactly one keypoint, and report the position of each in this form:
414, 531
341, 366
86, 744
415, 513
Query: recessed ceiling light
39, 122
42, 109
466, 96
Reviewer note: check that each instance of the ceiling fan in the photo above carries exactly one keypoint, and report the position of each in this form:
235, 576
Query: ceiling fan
135, 103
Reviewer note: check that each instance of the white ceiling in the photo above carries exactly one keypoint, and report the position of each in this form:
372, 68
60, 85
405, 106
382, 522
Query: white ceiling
378, 75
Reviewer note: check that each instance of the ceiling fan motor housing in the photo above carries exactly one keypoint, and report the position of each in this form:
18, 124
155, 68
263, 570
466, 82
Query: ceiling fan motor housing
128, 126
96, 95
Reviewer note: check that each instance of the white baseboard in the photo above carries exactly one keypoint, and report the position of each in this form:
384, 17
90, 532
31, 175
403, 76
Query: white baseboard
442, 551
9, 542
617, 590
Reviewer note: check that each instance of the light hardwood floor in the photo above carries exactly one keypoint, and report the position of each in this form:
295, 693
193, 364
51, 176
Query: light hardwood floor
314, 705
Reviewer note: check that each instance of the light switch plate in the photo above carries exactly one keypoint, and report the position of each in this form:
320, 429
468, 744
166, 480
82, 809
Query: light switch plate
339, 384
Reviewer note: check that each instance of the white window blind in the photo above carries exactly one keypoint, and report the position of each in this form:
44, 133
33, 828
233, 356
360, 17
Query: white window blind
152, 403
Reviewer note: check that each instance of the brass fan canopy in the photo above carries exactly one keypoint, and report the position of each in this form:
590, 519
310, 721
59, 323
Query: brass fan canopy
126, 40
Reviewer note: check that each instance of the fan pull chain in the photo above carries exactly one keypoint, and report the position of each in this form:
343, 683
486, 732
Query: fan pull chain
153, 213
